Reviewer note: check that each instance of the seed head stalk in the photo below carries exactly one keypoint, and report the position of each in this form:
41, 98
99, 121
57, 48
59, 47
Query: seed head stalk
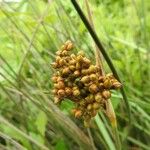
98, 58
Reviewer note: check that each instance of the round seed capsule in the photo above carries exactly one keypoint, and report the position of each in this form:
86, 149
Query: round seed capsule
89, 107
77, 73
93, 77
76, 92
78, 113
68, 91
96, 105
60, 85
106, 94
65, 71
93, 88
61, 92
54, 79
107, 83
98, 97
69, 46
85, 79
72, 67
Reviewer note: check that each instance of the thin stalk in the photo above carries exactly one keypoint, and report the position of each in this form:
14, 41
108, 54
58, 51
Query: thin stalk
109, 108
103, 51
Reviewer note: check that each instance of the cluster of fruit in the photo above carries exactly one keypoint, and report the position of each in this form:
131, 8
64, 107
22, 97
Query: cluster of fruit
77, 79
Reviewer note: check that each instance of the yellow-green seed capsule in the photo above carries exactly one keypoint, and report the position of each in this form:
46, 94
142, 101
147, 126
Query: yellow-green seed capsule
78, 66
87, 123
98, 97
92, 69
84, 71
57, 100
76, 92
85, 79
89, 107
79, 58
96, 105
93, 77
80, 53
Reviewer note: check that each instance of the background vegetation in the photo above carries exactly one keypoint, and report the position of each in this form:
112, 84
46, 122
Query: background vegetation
30, 34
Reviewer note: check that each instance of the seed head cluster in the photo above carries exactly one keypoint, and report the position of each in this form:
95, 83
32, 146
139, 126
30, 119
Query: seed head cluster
78, 80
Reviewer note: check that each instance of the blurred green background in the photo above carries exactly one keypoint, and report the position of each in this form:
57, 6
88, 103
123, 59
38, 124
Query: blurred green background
30, 34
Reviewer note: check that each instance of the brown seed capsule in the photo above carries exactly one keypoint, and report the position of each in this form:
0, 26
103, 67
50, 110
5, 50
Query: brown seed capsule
68, 91
64, 53
106, 94
98, 97
60, 85
78, 66
69, 46
72, 62
93, 77
90, 98
65, 71
79, 58
61, 92
93, 88
58, 52
101, 79
58, 59
59, 78
117, 85
86, 61
107, 83
76, 92
96, 105
85, 79
72, 67
73, 56
89, 107
101, 86
62, 62
78, 113
54, 79
77, 73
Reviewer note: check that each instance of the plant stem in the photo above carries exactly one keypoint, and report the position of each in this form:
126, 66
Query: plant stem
103, 51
